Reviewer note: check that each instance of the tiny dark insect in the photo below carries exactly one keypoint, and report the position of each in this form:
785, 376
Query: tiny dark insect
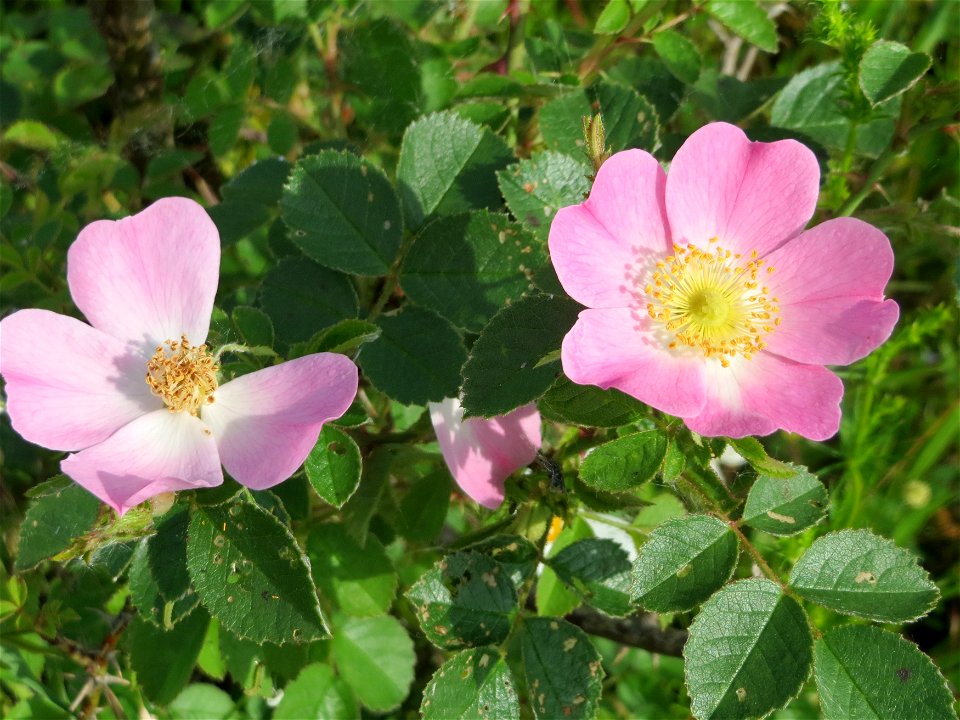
904, 674
553, 470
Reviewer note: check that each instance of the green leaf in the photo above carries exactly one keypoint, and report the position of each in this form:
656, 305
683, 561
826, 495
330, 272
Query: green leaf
855, 572
553, 597
254, 325
748, 20
317, 694
360, 508
888, 69
501, 373
866, 672
343, 213
416, 359
201, 701
748, 653
360, 579
423, 509
251, 575
786, 506
516, 555
465, 600
599, 571
78, 84
754, 453
164, 660
589, 405
53, 521
679, 55
613, 19
624, 463
475, 683
333, 466
344, 337
726, 98
683, 562
33, 135
468, 266
535, 188
375, 656
300, 296
449, 165
563, 669
561, 125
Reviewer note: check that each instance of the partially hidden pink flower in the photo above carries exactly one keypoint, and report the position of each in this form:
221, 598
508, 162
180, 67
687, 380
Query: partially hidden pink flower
136, 395
480, 453
707, 298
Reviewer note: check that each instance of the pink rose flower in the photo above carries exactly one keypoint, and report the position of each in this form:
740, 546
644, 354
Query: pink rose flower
137, 393
707, 298
481, 454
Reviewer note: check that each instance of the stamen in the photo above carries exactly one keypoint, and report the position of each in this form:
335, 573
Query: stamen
183, 376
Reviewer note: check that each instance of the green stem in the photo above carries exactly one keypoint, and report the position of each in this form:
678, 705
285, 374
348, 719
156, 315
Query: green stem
393, 278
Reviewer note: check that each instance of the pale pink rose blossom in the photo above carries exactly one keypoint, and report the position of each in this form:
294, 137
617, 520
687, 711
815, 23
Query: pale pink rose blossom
480, 453
707, 298
136, 395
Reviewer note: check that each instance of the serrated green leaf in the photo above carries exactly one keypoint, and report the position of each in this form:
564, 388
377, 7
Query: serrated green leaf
53, 521
888, 69
599, 571
748, 20
475, 683
343, 213
300, 296
866, 672
552, 595
375, 656
613, 19
468, 266
749, 652
359, 509
726, 98
683, 562
360, 579
251, 575
589, 405
561, 124
164, 660
501, 374
679, 55
344, 337
423, 509
416, 359
449, 165
563, 669
855, 572
254, 325
786, 506
535, 188
516, 554
624, 463
629, 118
317, 694
333, 466
465, 600
754, 453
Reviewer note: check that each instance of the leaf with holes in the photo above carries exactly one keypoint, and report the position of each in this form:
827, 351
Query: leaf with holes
786, 506
516, 555
683, 562
599, 571
535, 188
375, 656
858, 573
475, 683
333, 466
748, 653
624, 463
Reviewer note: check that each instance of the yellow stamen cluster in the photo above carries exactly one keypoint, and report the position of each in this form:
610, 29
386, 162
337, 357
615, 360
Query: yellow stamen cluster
713, 300
183, 376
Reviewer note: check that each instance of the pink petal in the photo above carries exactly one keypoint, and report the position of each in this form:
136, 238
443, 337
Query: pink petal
596, 246
267, 422
830, 282
69, 385
158, 452
150, 277
751, 196
481, 454
767, 392
619, 348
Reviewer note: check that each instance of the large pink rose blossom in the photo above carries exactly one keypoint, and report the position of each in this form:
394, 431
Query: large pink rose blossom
707, 298
136, 394
480, 453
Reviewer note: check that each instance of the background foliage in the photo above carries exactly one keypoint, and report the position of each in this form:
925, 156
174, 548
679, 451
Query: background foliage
383, 176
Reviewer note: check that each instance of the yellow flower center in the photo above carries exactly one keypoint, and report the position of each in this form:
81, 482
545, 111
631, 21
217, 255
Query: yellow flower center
714, 301
183, 376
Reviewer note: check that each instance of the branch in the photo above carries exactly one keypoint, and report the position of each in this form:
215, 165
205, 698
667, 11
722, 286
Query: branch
642, 630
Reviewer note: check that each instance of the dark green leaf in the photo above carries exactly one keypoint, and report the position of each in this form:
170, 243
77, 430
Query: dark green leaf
254, 325
516, 554
77, 84
678, 54
423, 509
53, 522
748, 19
317, 694
449, 165
537, 187
333, 466
599, 571
724, 97
501, 373
416, 359
553, 597
858, 573
888, 69
866, 672
749, 652
589, 405
786, 506
164, 660
563, 669
629, 118
375, 656
343, 213
475, 683
561, 123
251, 575
624, 463
683, 562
